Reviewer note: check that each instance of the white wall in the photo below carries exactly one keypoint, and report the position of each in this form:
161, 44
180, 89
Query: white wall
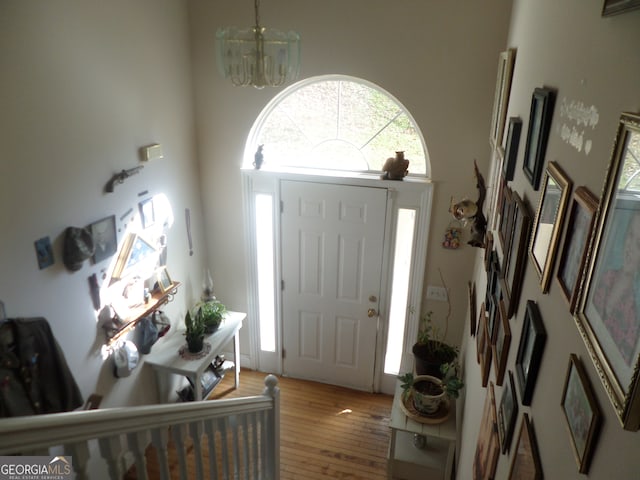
568, 46
438, 58
84, 84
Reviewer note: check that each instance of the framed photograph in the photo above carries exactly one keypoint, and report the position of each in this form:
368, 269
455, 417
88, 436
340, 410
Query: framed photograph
472, 307
526, 459
164, 279
614, 7
137, 256
581, 413
484, 350
488, 248
511, 148
547, 227
574, 250
507, 414
493, 294
488, 446
513, 271
480, 333
501, 343
506, 223
147, 215
608, 311
104, 238
532, 342
44, 252
494, 188
540, 116
501, 96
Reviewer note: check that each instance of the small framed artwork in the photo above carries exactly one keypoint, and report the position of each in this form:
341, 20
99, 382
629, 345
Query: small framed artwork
488, 248
495, 188
164, 279
105, 238
614, 7
506, 223
472, 307
608, 311
511, 148
44, 252
501, 96
488, 446
540, 116
481, 333
501, 343
513, 272
147, 215
526, 459
507, 413
548, 223
581, 413
136, 255
574, 251
532, 342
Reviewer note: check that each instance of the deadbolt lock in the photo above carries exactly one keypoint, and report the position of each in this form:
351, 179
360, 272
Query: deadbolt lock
373, 298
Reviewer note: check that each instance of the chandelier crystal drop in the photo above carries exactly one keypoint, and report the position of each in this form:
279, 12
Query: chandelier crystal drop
257, 56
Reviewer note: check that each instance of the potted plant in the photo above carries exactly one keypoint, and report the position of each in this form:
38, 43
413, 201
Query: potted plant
194, 333
430, 392
211, 314
430, 351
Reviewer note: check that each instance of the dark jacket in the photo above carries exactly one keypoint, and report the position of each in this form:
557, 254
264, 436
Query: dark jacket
34, 375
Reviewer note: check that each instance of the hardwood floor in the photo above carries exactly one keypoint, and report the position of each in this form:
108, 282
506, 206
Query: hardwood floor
327, 432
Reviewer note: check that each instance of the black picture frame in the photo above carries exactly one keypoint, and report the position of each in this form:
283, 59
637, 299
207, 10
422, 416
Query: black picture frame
472, 308
614, 7
501, 343
513, 271
532, 342
507, 413
105, 238
511, 148
542, 103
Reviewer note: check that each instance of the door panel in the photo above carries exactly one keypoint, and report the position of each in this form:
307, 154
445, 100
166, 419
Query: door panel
332, 246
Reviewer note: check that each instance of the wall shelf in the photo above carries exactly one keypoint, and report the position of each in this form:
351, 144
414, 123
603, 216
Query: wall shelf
158, 299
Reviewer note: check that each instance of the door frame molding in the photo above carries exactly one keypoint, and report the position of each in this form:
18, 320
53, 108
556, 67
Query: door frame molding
412, 193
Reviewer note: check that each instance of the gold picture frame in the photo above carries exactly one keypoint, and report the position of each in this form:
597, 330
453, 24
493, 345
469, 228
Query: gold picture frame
506, 61
607, 316
548, 222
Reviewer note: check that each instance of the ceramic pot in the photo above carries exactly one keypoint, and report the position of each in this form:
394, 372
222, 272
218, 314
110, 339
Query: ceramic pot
195, 344
428, 394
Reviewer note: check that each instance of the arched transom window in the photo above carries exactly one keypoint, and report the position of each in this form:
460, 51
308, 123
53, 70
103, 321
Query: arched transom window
336, 122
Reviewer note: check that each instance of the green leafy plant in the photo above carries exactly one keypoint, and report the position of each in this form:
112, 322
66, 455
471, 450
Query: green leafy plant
194, 330
210, 313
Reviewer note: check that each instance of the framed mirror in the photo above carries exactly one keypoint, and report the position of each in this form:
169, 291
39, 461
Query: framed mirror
548, 223
609, 303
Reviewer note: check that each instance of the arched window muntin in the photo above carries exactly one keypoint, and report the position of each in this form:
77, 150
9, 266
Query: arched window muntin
323, 123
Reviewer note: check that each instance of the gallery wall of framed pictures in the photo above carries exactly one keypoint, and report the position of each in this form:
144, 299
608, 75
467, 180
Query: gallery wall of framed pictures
560, 236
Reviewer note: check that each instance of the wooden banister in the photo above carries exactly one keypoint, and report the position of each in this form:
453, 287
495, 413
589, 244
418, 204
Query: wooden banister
244, 430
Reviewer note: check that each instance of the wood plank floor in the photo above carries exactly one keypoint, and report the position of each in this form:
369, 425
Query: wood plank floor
326, 432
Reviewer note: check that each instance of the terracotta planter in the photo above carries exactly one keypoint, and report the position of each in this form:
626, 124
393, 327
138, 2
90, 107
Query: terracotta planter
428, 394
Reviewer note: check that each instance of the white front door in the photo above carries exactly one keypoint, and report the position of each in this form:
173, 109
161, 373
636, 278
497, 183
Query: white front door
332, 247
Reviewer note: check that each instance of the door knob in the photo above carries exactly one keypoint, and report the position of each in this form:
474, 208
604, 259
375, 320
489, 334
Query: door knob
371, 312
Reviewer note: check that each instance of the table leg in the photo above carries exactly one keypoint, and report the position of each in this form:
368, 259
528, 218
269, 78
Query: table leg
197, 388
236, 357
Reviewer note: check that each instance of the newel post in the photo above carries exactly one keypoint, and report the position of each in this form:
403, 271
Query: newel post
273, 447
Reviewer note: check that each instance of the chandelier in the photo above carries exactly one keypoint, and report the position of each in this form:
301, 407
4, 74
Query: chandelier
256, 56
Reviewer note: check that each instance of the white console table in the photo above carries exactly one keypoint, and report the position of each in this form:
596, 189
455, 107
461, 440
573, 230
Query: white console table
166, 360
435, 460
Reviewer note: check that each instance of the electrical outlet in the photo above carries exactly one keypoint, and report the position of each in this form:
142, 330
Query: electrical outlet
437, 293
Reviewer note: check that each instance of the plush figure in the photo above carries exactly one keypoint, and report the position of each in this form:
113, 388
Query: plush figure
395, 168
470, 212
